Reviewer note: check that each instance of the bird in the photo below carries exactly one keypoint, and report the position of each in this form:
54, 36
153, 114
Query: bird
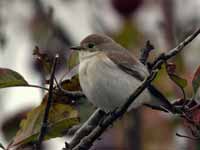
109, 74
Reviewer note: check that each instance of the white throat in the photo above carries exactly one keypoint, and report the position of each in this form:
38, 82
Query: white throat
85, 55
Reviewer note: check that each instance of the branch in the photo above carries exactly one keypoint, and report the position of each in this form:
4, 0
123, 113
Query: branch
87, 141
43, 129
165, 105
145, 52
163, 57
86, 128
176, 50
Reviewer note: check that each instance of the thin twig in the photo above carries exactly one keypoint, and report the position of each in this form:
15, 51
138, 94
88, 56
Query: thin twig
145, 52
44, 126
165, 105
177, 49
35, 86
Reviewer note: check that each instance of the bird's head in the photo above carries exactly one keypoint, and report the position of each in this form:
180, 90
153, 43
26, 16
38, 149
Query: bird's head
97, 42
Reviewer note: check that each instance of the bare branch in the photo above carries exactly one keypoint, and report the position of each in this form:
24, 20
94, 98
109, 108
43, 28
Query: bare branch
43, 129
86, 128
176, 50
145, 52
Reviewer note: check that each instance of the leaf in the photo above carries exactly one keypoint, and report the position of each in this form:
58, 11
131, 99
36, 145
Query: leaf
196, 80
170, 68
71, 85
72, 60
182, 83
9, 78
10, 125
61, 118
196, 116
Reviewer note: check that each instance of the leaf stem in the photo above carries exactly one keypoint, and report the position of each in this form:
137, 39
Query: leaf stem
29, 85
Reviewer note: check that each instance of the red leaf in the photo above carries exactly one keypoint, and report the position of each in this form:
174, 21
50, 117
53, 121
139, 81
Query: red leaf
171, 68
196, 80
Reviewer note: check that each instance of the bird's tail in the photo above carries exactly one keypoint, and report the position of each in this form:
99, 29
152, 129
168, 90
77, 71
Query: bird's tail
160, 101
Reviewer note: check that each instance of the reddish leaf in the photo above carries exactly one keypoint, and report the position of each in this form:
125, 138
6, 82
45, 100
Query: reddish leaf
196, 80
196, 116
171, 68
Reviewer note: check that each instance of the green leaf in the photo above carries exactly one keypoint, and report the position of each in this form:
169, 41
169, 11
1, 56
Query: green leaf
196, 80
10, 125
1, 146
182, 83
72, 60
61, 118
10, 78
72, 84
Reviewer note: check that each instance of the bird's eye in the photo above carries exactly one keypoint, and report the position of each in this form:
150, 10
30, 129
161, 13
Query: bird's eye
90, 45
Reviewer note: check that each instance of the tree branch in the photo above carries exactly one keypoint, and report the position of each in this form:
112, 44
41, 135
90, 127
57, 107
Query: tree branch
86, 128
44, 126
176, 50
145, 52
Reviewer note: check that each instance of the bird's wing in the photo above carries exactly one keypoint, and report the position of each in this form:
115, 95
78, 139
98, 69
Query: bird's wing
128, 63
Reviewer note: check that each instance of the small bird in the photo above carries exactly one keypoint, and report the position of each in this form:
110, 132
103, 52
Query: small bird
109, 74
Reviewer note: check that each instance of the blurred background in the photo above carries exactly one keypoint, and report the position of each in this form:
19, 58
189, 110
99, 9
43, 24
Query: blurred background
55, 25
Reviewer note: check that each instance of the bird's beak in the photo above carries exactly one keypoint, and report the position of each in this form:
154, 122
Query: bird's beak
77, 48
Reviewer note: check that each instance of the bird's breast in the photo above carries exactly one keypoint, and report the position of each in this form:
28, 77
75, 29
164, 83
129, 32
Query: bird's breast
104, 84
